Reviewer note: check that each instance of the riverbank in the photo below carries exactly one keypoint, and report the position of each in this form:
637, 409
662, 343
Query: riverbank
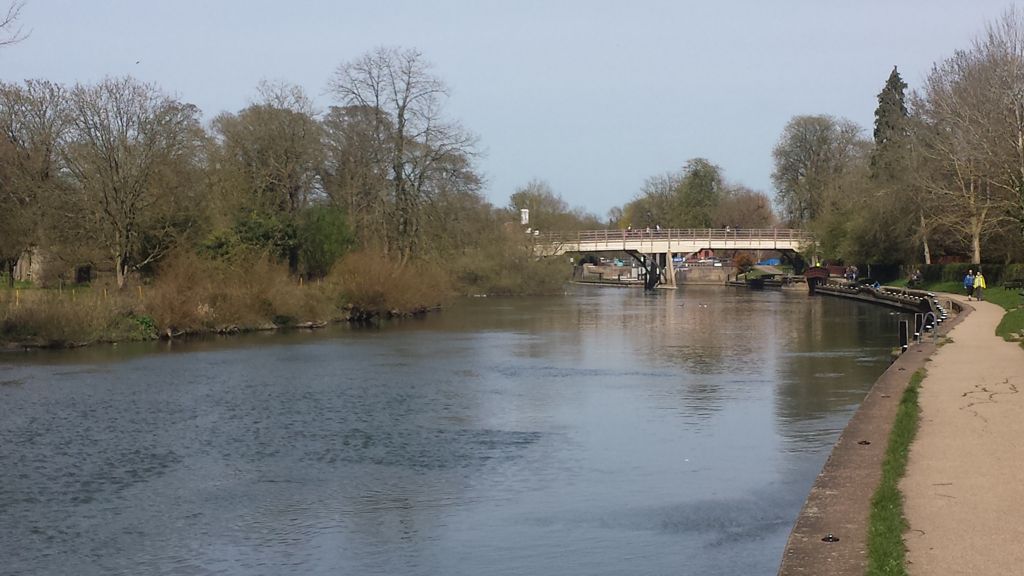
189, 294
83, 317
839, 503
57, 325
962, 499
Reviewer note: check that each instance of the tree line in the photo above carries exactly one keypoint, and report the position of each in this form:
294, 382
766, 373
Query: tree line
696, 196
119, 173
941, 178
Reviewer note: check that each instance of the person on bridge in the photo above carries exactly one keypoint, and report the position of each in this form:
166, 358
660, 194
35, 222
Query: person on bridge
979, 286
969, 284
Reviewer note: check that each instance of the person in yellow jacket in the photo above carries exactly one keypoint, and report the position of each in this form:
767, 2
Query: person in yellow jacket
979, 285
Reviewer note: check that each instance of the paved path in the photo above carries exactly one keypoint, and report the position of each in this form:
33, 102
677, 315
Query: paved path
964, 487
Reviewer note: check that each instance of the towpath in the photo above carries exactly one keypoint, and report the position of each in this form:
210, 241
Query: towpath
964, 486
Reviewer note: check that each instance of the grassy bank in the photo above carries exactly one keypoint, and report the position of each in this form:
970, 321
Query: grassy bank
58, 318
191, 294
886, 551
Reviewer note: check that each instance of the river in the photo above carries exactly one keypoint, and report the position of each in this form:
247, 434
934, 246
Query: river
600, 432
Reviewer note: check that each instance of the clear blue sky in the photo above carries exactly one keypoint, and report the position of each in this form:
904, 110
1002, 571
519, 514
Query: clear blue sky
591, 96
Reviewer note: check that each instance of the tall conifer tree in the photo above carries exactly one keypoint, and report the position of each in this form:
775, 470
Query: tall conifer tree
891, 133
896, 221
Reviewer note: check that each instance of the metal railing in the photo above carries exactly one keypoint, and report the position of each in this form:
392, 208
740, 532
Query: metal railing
681, 234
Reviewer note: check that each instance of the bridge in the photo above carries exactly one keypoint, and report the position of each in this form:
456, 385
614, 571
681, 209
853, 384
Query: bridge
657, 247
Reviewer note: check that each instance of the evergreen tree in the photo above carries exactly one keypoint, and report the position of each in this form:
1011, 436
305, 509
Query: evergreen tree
891, 220
891, 133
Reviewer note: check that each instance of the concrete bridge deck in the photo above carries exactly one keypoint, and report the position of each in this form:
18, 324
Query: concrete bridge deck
675, 241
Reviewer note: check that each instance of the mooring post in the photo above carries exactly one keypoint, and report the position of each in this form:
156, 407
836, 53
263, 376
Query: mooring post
904, 335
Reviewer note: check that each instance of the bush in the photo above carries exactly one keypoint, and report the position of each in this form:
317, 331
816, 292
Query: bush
376, 283
506, 265
1013, 272
324, 237
743, 261
193, 293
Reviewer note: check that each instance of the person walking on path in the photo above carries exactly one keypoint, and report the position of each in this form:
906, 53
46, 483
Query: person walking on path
969, 284
979, 286
963, 495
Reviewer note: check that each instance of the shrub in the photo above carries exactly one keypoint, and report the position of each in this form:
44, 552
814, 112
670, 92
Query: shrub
743, 261
373, 282
506, 265
324, 237
193, 293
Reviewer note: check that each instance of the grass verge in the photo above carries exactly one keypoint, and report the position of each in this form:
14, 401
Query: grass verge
1012, 323
886, 551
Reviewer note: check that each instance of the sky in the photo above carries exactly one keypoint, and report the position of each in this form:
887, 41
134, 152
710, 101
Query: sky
592, 97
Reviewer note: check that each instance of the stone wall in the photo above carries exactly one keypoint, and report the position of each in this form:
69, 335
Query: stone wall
717, 275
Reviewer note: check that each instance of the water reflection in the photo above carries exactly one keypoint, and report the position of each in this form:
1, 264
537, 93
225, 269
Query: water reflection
605, 432
837, 348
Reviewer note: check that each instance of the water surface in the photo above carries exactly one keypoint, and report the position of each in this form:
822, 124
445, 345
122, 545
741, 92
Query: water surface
602, 432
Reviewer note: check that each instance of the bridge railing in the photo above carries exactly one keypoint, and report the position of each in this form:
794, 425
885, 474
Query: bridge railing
682, 234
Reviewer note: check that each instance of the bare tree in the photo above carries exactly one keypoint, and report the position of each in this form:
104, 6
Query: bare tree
547, 209
356, 170
956, 139
656, 203
811, 158
130, 151
33, 119
741, 207
419, 147
10, 32
998, 56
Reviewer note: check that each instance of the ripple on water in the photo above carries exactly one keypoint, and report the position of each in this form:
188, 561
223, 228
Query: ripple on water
425, 448
543, 442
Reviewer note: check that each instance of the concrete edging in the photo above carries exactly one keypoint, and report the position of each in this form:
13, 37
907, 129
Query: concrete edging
839, 503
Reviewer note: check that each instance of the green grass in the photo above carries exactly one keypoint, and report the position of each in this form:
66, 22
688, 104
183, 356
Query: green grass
951, 287
886, 551
1008, 299
1012, 323
1013, 320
